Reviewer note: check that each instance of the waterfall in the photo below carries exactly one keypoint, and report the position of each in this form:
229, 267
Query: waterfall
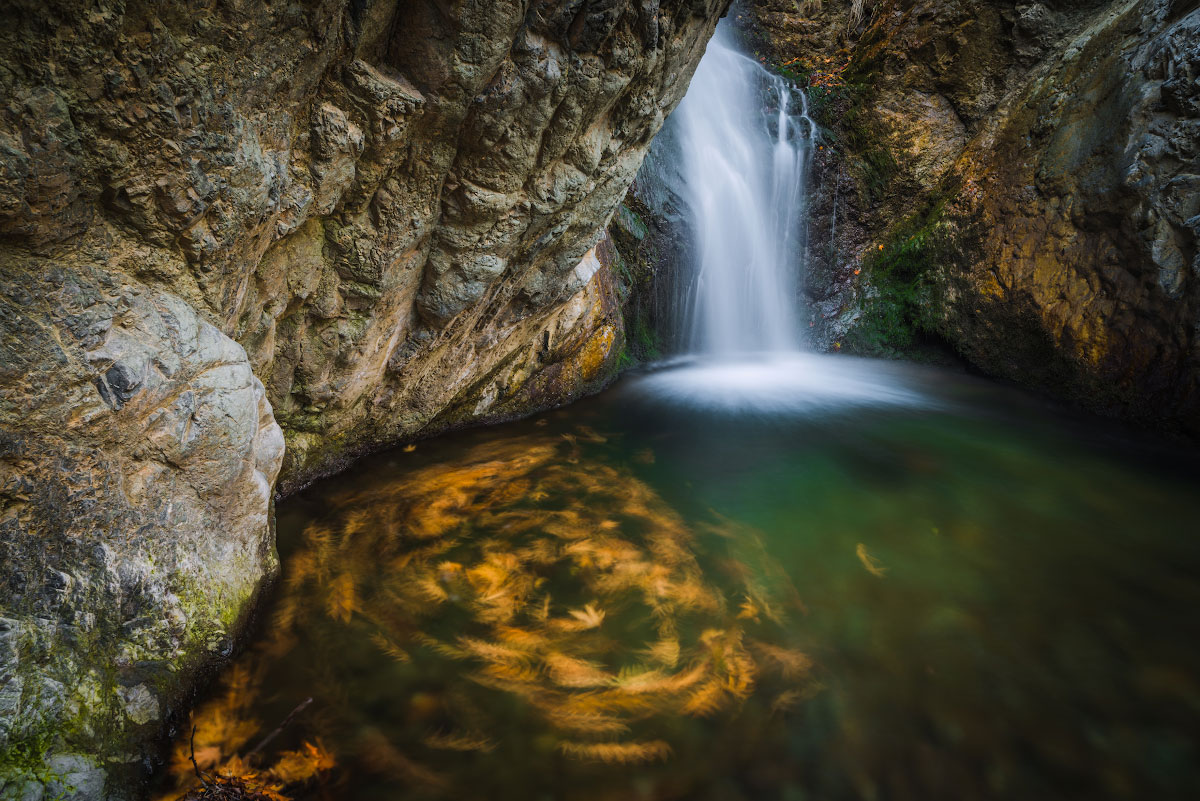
746, 140
732, 164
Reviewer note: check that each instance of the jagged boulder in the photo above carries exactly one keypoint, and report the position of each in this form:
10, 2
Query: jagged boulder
137, 459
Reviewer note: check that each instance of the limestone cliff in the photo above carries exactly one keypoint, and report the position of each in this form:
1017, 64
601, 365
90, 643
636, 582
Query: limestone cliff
229, 224
1018, 180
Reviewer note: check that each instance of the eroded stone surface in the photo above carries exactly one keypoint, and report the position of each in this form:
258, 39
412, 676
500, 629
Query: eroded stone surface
1087, 186
1048, 150
136, 467
355, 192
390, 205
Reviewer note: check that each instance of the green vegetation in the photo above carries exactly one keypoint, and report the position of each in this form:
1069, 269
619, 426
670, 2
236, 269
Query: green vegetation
636, 267
25, 759
839, 100
845, 110
903, 303
642, 344
644, 341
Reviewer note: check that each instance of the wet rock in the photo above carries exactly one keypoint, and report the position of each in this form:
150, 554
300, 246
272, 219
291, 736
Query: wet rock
1029, 167
78, 777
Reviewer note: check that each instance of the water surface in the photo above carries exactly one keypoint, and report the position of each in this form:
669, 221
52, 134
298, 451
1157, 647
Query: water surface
926, 587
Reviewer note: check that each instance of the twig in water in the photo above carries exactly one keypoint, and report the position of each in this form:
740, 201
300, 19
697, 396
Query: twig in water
196, 767
279, 729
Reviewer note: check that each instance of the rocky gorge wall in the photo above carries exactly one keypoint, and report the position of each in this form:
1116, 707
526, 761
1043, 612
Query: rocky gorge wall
1016, 183
227, 227
243, 241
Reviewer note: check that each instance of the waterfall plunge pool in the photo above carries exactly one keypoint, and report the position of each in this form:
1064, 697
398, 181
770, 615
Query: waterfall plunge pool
935, 587
739, 576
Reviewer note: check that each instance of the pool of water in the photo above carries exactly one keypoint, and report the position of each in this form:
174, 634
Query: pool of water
814, 578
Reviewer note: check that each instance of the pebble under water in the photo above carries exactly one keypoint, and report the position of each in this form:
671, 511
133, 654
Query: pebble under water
936, 588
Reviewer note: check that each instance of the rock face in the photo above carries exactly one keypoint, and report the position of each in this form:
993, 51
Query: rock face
1018, 180
136, 466
387, 212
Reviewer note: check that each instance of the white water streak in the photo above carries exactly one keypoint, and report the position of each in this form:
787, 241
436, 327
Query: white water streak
746, 145
745, 142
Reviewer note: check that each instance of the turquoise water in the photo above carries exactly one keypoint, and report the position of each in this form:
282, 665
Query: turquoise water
951, 592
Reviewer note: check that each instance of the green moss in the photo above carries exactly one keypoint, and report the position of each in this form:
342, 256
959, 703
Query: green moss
852, 129
360, 289
25, 756
89, 718
644, 342
47, 723
635, 266
904, 302
24, 759
212, 615
843, 108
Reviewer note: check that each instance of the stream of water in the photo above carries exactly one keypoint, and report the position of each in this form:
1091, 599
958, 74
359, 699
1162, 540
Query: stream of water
746, 142
740, 575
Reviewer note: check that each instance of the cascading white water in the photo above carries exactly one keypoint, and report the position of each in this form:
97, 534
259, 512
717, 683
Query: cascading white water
735, 155
746, 143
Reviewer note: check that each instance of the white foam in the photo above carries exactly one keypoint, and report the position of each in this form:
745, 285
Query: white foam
776, 384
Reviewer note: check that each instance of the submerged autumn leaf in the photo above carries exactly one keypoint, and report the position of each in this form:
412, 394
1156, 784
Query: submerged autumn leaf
873, 565
508, 576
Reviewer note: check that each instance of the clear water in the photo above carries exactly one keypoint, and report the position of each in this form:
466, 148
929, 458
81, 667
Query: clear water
941, 590
745, 140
